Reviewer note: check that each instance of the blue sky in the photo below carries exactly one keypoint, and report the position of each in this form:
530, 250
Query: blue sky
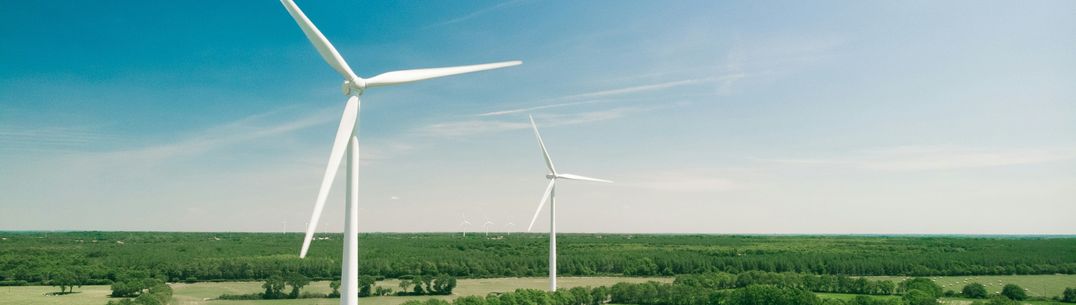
716, 117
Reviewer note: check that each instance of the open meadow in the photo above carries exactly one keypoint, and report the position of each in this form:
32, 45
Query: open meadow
203, 293
203, 266
1037, 285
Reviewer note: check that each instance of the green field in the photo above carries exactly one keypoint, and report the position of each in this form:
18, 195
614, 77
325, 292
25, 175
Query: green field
1036, 285
200, 293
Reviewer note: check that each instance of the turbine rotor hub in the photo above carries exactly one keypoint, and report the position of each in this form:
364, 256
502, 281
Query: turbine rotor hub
550, 176
353, 88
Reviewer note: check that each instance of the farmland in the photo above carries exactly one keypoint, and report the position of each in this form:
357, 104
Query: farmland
199, 293
203, 293
203, 266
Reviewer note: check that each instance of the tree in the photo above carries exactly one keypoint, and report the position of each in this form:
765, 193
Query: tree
922, 284
975, 291
1069, 295
766, 295
274, 287
297, 281
444, 284
335, 285
405, 285
469, 300
919, 297
1014, 292
366, 285
67, 281
418, 281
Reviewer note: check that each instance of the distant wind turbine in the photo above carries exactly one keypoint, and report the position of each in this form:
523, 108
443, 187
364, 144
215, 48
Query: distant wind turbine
553, 175
485, 226
464, 224
509, 227
347, 141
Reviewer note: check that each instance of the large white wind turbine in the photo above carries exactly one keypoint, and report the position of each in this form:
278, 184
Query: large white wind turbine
346, 140
553, 175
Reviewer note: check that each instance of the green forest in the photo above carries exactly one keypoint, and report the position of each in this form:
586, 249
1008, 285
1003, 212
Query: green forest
29, 258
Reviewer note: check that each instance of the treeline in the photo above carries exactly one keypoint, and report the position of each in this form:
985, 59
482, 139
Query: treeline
653, 293
815, 283
102, 257
158, 294
276, 285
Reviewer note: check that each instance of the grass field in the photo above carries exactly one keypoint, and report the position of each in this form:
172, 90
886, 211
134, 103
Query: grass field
1036, 285
201, 293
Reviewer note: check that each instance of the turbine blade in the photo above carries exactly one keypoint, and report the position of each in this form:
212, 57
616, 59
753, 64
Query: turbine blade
545, 154
584, 178
343, 135
325, 48
542, 203
407, 76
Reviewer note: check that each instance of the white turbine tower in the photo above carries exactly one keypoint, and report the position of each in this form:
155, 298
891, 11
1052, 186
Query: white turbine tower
347, 141
553, 175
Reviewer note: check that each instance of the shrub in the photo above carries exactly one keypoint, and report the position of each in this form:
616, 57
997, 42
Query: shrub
922, 284
974, 290
919, 297
1069, 295
1014, 292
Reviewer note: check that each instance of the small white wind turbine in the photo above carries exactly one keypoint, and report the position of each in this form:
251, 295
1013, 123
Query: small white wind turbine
464, 225
553, 175
508, 227
485, 226
347, 141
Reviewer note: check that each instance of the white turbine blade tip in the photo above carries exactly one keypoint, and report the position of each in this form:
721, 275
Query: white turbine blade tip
407, 76
336, 155
583, 178
322, 44
541, 145
545, 197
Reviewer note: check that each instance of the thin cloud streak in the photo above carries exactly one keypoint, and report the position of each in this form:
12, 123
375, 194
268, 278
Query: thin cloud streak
475, 14
473, 127
930, 158
607, 95
250, 128
58, 139
682, 182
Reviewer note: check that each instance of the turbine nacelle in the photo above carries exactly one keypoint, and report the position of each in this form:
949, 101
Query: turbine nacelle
552, 175
353, 88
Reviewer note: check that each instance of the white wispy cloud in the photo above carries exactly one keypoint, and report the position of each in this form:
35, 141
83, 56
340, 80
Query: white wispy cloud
477, 13
529, 109
254, 127
680, 183
55, 139
479, 126
927, 158
608, 95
